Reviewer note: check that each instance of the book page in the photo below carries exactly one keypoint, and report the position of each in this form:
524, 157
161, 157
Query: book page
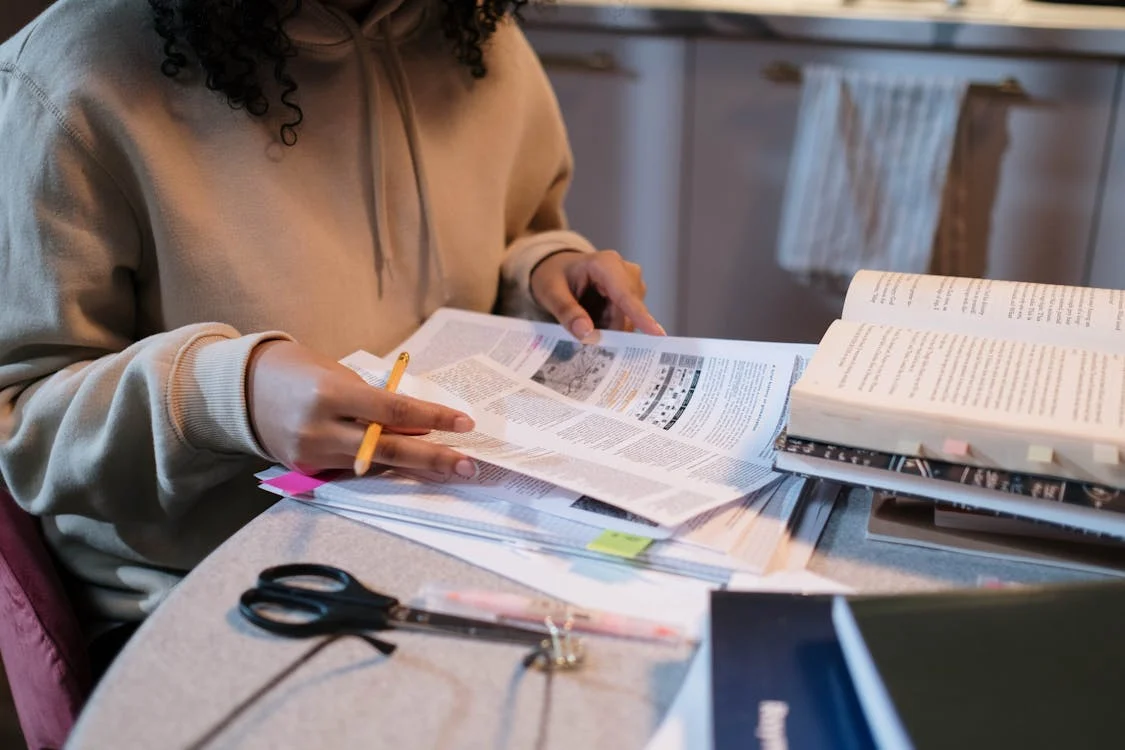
532, 430
1039, 313
731, 395
1009, 384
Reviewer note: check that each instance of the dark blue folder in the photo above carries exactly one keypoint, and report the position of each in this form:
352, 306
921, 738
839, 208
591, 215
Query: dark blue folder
778, 677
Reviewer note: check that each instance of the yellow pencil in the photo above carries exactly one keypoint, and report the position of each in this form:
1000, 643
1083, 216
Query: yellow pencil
374, 430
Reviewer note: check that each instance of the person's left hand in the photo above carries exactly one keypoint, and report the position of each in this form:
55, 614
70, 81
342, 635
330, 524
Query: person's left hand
588, 290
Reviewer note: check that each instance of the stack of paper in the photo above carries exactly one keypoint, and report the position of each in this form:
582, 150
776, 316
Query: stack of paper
629, 475
655, 451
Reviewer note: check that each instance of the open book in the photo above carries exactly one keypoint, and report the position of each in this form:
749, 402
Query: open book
1008, 375
666, 439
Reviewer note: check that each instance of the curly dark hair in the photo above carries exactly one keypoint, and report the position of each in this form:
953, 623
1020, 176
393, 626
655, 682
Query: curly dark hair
234, 42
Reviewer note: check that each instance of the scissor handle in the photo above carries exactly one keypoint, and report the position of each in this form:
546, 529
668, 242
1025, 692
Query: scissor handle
296, 570
348, 586
257, 603
347, 606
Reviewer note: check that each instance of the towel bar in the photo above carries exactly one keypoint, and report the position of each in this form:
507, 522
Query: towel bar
787, 72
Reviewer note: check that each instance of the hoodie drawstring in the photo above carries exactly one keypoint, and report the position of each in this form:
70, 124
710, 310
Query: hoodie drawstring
431, 252
384, 251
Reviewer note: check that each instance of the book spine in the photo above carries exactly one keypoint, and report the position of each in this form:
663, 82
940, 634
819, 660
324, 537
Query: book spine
1078, 531
1063, 491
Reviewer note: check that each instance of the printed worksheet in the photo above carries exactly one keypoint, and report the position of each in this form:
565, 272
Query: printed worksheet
730, 395
530, 428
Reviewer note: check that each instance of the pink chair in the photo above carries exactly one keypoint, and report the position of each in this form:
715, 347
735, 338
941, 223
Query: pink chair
41, 642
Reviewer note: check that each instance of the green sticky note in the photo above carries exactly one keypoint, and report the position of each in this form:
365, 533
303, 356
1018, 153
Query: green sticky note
617, 543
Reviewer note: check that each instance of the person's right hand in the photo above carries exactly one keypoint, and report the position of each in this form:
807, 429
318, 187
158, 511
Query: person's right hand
310, 412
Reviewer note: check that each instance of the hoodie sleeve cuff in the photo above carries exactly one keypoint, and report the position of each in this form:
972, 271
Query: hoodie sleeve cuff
523, 256
208, 393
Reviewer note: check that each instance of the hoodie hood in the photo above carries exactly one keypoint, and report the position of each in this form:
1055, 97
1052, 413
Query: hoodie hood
318, 24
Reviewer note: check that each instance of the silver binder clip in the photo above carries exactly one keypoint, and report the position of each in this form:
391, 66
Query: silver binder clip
561, 650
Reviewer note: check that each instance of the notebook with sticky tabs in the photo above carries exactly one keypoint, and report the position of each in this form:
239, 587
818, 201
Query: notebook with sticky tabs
972, 371
1025, 493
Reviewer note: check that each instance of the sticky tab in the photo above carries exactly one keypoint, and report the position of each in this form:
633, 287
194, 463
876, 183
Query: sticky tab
953, 447
294, 483
619, 544
1106, 454
1040, 454
908, 448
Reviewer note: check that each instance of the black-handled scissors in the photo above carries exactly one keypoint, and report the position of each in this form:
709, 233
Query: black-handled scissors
305, 599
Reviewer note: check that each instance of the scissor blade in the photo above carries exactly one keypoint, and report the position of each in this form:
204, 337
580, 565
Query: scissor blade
420, 619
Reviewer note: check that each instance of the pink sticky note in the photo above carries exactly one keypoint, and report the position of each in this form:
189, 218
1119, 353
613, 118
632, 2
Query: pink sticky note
294, 483
953, 447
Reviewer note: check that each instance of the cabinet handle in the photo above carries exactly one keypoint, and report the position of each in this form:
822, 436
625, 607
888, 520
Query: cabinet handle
595, 62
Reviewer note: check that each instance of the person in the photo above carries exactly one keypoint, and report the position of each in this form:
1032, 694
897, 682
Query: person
204, 204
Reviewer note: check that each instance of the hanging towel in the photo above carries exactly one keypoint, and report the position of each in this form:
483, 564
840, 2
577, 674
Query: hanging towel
868, 177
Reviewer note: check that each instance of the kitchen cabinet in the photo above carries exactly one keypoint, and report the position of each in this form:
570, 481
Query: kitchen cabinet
622, 98
1107, 266
1036, 165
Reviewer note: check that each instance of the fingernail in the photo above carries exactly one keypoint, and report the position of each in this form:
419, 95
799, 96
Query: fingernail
662, 331
462, 424
582, 328
465, 468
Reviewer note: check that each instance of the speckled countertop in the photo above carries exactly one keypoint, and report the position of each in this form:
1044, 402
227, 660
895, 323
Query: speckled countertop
1023, 26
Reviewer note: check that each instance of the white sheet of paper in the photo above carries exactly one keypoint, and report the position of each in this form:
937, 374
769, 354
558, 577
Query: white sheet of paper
591, 584
728, 395
687, 725
725, 395
533, 430
445, 508
788, 581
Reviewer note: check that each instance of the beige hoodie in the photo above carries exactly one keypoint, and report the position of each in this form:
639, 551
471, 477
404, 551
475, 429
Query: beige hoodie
150, 236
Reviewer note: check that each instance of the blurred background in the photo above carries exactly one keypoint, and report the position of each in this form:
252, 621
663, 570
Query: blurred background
13, 15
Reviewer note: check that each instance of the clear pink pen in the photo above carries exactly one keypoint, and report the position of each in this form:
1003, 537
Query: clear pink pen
527, 609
